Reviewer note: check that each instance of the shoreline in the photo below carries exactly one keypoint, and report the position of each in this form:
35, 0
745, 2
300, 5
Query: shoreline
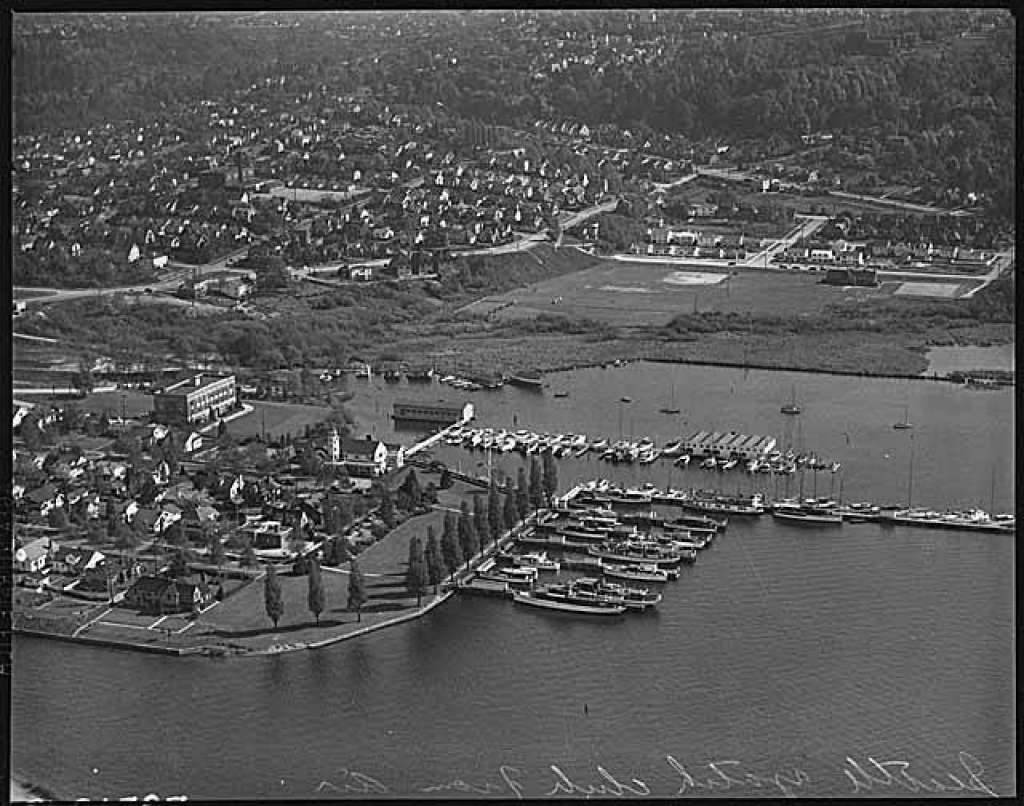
219, 651
947, 377
22, 791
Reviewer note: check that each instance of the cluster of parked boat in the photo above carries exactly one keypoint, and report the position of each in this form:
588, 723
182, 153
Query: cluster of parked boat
626, 546
624, 451
626, 552
525, 442
777, 462
822, 511
710, 502
590, 596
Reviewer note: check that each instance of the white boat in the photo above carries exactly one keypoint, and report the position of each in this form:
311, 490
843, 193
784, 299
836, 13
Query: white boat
640, 573
632, 598
538, 560
595, 608
729, 465
683, 460
673, 449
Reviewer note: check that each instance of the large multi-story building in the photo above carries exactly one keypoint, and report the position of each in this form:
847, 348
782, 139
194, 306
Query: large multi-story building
196, 399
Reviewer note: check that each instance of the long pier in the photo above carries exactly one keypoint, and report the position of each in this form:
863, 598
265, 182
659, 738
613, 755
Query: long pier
434, 438
755, 506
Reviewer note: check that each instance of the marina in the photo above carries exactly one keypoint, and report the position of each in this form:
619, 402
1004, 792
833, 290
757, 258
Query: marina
779, 589
713, 450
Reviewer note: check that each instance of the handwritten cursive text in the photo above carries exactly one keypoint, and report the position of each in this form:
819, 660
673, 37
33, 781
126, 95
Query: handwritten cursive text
881, 774
728, 774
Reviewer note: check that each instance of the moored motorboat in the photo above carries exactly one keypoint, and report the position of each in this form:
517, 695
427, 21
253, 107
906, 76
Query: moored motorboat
595, 607
808, 513
643, 554
632, 598
726, 505
538, 560
639, 572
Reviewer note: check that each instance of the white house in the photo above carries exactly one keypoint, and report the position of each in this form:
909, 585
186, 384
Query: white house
20, 412
396, 456
170, 513
193, 442
363, 457
32, 557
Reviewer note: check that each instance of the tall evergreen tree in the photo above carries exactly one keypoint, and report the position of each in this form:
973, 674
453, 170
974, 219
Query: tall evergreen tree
550, 476
509, 508
468, 541
522, 494
416, 574
411, 495
356, 589
414, 549
480, 523
494, 514
451, 553
272, 596
317, 597
536, 488
387, 508
434, 560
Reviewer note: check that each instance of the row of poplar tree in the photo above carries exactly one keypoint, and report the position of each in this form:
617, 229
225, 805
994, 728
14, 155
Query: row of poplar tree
431, 560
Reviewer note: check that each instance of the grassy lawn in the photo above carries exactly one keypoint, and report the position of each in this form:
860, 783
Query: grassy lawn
129, 617
277, 418
242, 620
136, 404
638, 294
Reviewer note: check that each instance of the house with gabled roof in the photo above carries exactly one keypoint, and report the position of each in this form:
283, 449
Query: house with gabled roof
33, 556
74, 561
44, 499
153, 594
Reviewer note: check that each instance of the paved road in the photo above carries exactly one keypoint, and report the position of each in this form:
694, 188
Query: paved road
811, 224
675, 183
1005, 262
168, 281
903, 205
730, 174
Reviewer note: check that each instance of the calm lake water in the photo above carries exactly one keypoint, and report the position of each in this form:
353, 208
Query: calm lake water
786, 657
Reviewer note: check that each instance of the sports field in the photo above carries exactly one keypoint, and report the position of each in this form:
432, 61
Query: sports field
634, 294
934, 290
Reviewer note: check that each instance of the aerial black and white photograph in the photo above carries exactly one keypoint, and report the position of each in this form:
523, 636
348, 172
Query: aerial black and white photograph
512, 404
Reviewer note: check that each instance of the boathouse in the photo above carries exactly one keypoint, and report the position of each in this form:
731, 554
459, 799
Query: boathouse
434, 415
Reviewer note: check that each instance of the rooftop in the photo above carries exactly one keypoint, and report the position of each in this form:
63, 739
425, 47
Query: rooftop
193, 383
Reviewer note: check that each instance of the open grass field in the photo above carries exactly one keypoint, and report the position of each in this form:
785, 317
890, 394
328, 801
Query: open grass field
931, 290
277, 419
136, 404
644, 294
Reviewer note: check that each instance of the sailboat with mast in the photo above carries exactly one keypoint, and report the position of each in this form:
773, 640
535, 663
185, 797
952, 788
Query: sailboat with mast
791, 407
905, 423
672, 408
